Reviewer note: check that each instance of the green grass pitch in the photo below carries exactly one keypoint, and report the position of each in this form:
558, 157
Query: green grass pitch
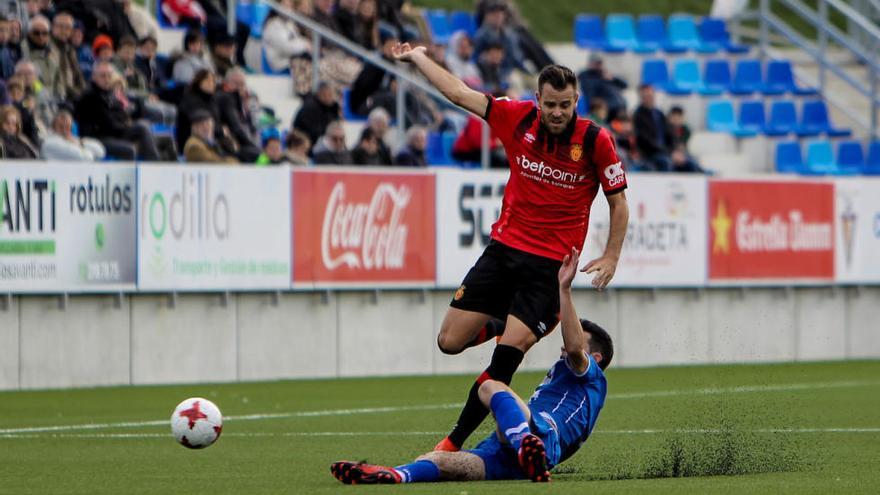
785, 428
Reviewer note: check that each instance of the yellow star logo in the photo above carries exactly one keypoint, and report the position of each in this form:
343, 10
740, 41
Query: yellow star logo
721, 228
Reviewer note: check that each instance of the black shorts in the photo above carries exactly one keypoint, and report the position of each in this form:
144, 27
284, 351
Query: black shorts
506, 281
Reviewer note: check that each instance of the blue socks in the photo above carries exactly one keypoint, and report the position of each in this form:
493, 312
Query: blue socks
510, 418
419, 472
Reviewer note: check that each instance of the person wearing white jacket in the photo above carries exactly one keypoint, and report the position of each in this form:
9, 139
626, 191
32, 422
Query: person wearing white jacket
283, 40
61, 144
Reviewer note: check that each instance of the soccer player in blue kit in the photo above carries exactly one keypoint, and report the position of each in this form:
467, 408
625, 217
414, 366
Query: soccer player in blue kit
532, 438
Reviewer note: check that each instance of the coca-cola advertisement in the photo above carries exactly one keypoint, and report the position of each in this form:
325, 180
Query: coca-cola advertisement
363, 229
771, 231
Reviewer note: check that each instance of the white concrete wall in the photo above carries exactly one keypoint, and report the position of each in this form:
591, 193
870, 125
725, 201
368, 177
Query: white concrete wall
306, 334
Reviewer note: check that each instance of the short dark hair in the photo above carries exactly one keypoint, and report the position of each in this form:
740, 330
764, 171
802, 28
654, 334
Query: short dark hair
127, 41
296, 139
200, 76
677, 110
600, 341
558, 77
367, 134
191, 36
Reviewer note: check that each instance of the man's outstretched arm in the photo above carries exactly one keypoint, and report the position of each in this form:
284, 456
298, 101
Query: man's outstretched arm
573, 339
453, 88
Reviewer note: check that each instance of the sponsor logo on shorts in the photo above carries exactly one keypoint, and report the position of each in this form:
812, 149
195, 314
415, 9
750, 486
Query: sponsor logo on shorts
542, 327
614, 174
459, 293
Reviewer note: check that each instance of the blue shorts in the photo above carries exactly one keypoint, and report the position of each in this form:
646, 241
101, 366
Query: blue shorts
500, 459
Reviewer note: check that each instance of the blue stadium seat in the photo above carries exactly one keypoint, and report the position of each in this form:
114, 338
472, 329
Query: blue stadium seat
434, 149
748, 78
850, 158
438, 23
872, 163
447, 140
780, 79
620, 32
655, 73
583, 105
460, 20
716, 77
789, 159
588, 32
685, 77
751, 119
348, 112
820, 158
260, 12
713, 32
651, 33
814, 121
783, 119
720, 118
683, 35
244, 12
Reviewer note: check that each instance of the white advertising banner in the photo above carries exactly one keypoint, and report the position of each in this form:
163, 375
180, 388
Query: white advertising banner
213, 228
857, 215
468, 203
67, 227
666, 237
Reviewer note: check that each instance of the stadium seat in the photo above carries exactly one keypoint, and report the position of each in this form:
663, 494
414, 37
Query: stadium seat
789, 159
588, 32
751, 119
620, 32
814, 121
872, 163
713, 32
461, 20
780, 80
583, 105
685, 77
820, 158
748, 78
651, 33
783, 119
447, 140
720, 118
683, 36
434, 149
716, 77
244, 12
348, 113
655, 73
260, 10
438, 23
850, 158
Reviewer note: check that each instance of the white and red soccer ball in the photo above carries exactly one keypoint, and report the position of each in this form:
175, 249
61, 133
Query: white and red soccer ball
196, 423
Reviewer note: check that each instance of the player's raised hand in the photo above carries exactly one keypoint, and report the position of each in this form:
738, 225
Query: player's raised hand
568, 269
604, 269
404, 52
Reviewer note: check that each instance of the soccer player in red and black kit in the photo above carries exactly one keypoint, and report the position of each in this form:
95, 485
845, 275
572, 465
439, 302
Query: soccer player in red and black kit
557, 164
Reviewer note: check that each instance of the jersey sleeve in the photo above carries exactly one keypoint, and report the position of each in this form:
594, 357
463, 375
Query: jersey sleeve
503, 114
609, 168
585, 376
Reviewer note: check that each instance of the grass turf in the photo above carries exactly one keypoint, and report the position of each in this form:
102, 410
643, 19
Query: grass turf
713, 429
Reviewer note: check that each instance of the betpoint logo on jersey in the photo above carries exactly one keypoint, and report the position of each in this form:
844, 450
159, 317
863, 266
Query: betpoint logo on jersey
614, 174
545, 172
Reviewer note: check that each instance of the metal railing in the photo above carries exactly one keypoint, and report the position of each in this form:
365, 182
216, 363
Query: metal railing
860, 41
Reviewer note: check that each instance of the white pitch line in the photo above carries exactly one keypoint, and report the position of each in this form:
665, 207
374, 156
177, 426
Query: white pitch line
794, 387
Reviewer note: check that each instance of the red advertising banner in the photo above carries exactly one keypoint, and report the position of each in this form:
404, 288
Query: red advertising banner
363, 229
771, 230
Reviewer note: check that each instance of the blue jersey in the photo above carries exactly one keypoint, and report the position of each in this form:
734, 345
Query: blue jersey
569, 403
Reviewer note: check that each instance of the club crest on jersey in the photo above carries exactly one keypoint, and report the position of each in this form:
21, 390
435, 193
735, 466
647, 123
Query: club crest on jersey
577, 151
459, 293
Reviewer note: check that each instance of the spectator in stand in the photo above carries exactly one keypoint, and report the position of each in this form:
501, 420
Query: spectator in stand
102, 114
17, 90
345, 15
680, 133
184, 13
142, 22
379, 122
99, 17
413, 153
366, 28
331, 149
469, 144
459, 60
70, 83
317, 112
652, 137
598, 112
223, 54
625, 141
235, 114
61, 144
367, 150
533, 50
298, 145
84, 55
492, 70
200, 95
323, 14
124, 62
193, 58
373, 80
284, 41
597, 82
154, 69
272, 153
201, 147
15, 144
495, 31
7, 54
39, 51
102, 47
217, 25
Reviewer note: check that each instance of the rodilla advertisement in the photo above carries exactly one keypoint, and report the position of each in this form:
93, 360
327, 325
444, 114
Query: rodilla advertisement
213, 228
364, 229
67, 228
468, 203
665, 244
771, 231
857, 215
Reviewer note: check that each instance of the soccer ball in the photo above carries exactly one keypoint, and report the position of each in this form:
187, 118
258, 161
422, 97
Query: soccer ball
196, 423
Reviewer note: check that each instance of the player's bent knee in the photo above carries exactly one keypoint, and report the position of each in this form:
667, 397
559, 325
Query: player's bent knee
489, 388
448, 345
